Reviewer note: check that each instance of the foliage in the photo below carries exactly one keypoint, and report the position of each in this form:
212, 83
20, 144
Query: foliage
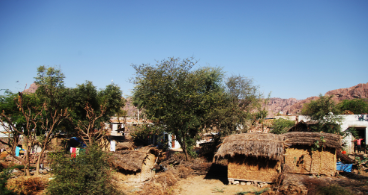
281, 125
4, 176
360, 163
352, 131
177, 98
240, 97
88, 173
357, 106
318, 143
325, 112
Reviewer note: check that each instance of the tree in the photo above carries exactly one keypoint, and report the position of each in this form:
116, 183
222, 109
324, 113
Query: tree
324, 111
177, 98
281, 125
92, 108
239, 99
357, 106
19, 117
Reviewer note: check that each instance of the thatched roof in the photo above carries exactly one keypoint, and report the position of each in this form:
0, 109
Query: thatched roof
132, 160
309, 138
252, 144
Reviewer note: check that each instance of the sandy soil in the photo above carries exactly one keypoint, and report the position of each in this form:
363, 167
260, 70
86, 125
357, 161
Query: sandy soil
201, 186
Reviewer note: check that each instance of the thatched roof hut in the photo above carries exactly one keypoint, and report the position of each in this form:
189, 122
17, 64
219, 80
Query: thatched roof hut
136, 163
300, 158
252, 156
252, 144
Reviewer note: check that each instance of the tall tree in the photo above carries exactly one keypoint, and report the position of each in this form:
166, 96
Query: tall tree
92, 108
19, 121
240, 98
177, 97
325, 112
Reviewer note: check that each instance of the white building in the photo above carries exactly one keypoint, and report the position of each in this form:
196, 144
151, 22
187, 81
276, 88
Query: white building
357, 121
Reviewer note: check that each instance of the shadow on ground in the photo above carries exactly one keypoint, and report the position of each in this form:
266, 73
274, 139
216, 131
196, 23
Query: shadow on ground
218, 171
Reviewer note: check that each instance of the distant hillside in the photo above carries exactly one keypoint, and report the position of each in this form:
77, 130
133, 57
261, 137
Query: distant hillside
294, 106
31, 88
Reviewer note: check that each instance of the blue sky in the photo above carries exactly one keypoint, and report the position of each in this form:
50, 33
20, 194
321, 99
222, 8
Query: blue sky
290, 48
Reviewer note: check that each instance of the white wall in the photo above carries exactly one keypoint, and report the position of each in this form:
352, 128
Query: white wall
177, 145
2, 131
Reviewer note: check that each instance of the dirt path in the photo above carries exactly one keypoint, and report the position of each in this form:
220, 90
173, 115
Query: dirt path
198, 185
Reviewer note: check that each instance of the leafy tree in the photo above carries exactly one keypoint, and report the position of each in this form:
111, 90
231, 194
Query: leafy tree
240, 97
177, 98
324, 111
91, 108
281, 125
357, 106
87, 173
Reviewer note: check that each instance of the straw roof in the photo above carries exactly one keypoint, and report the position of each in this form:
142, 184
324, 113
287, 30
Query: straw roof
252, 144
309, 138
132, 160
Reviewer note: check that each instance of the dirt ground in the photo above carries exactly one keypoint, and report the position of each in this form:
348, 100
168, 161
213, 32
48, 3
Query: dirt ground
199, 185
195, 185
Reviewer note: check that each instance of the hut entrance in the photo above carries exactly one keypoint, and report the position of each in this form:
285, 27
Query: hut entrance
361, 132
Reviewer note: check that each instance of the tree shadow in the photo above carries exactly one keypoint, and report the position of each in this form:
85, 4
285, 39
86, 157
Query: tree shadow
217, 171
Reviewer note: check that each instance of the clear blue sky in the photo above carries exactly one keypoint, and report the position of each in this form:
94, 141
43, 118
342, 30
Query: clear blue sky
291, 48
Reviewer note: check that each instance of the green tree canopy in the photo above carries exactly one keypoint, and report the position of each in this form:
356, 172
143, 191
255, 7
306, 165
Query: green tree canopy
177, 97
324, 111
240, 97
281, 125
357, 106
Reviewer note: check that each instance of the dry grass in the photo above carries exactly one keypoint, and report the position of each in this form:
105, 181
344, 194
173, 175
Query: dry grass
27, 185
167, 178
309, 138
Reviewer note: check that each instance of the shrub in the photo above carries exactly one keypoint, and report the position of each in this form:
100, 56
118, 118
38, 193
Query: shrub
4, 176
88, 173
281, 125
27, 185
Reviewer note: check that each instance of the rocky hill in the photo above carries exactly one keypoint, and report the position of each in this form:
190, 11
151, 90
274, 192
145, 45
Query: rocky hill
294, 106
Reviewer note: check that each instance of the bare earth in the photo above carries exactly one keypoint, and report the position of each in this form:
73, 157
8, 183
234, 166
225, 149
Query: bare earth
198, 185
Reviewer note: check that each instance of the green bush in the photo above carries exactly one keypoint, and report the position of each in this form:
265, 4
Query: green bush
281, 125
4, 176
88, 173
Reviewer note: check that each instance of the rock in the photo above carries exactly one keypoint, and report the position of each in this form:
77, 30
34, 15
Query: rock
236, 182
249, 183
293, 106
242, 183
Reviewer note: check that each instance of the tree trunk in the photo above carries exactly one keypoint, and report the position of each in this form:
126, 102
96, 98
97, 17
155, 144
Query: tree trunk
27, 163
